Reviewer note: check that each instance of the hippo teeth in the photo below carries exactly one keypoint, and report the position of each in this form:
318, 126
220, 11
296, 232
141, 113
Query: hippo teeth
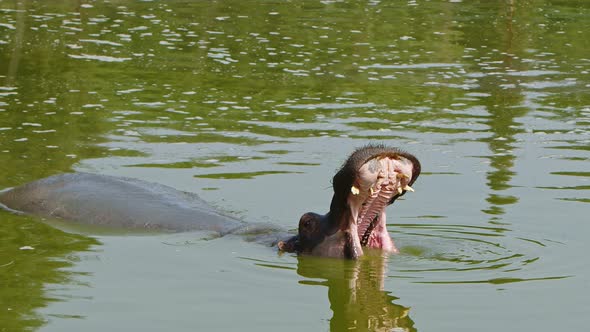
378, 182
379, 197
406, 188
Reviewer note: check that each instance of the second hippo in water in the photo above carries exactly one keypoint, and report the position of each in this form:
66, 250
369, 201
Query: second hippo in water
372, 178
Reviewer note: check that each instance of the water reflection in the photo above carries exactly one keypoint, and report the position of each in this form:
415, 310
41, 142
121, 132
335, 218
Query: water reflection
355, 291
33, 257
234, 91
503, 97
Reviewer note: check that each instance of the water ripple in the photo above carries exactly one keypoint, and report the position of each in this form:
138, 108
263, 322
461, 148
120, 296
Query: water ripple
450, 253
102, 58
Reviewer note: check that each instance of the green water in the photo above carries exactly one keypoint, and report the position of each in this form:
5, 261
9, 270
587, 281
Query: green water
253, 105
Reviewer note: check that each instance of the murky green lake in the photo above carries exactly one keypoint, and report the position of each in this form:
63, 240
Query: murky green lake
253, 105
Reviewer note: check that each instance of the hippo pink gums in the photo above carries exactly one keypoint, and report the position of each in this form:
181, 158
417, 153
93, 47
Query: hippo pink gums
373, 177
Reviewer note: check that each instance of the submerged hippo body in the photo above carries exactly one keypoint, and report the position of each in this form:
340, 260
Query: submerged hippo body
372, 178
116, 202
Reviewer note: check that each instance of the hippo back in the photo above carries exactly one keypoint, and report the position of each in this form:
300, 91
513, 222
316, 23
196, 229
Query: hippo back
116, 202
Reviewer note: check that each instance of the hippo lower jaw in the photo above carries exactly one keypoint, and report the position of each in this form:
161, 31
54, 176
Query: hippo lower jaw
372, 178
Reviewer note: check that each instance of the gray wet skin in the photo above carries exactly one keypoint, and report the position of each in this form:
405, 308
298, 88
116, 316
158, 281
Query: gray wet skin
116, 202
129, 204
126, 203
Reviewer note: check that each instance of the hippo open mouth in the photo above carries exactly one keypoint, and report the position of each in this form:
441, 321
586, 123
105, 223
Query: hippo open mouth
372, 178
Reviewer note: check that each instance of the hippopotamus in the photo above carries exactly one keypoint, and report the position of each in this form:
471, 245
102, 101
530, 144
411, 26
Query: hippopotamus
372, 177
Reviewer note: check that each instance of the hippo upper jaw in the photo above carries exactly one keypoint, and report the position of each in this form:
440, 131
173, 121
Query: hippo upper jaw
371, 178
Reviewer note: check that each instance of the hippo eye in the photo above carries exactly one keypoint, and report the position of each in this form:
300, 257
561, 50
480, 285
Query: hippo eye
306, 223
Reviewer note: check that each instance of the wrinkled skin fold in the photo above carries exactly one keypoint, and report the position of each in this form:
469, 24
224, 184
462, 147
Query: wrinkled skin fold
372, 178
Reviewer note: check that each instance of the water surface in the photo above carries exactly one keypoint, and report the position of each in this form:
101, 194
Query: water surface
253, 105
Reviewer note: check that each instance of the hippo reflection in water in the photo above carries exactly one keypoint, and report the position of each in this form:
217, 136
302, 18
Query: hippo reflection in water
372, 178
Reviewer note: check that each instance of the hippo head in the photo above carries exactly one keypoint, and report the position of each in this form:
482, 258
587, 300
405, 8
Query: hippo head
371, 178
